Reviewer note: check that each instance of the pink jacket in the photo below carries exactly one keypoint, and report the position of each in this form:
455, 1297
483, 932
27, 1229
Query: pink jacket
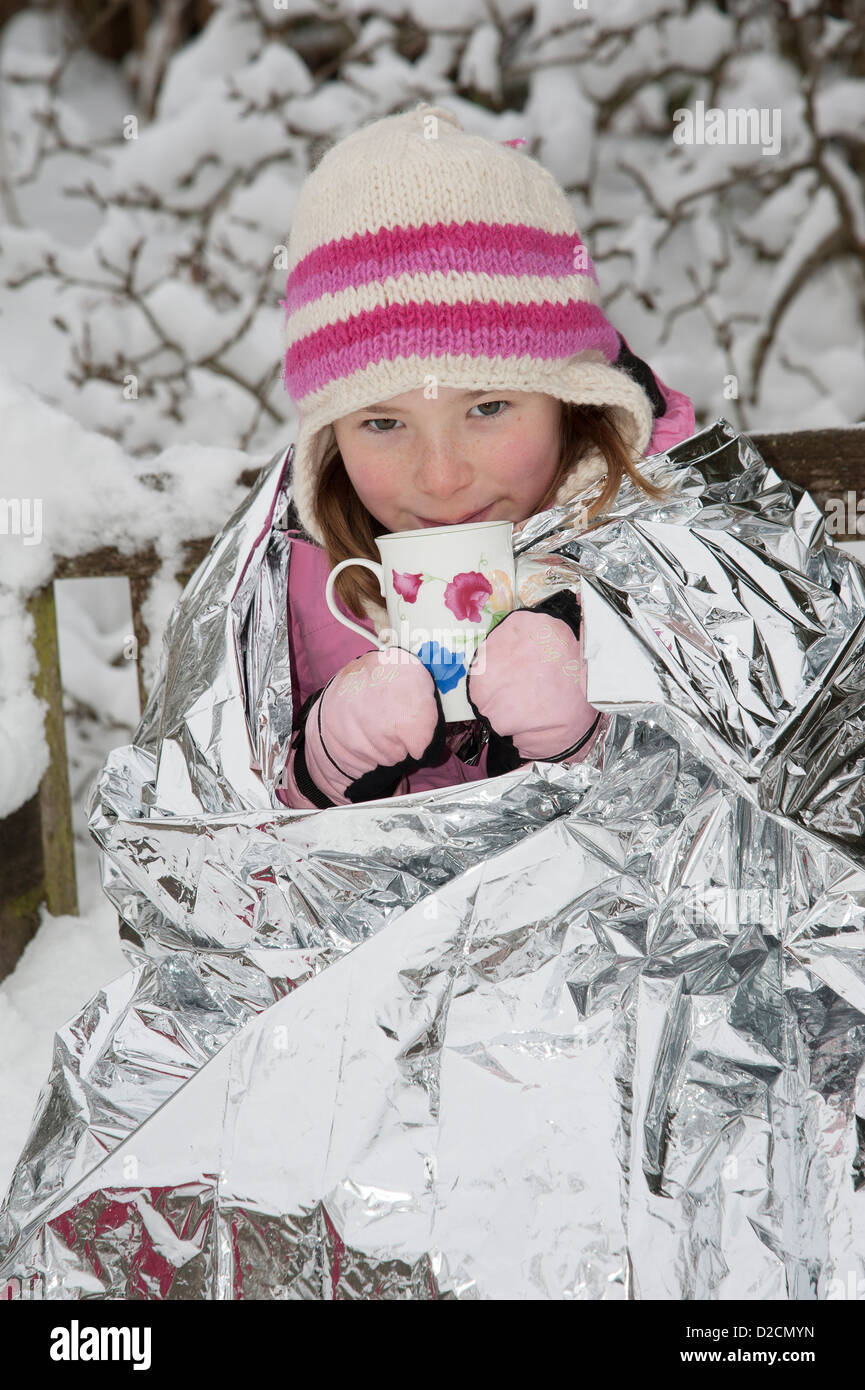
320, 646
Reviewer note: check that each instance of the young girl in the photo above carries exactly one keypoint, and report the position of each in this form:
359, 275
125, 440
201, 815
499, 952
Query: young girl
450, 362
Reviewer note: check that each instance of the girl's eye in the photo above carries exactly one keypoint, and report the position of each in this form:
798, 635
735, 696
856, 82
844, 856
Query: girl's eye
381, 420
490, 411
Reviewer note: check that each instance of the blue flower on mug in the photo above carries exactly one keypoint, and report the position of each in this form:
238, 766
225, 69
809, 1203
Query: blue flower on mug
447, 668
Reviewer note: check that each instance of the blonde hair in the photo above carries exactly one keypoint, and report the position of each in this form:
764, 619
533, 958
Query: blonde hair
349, 529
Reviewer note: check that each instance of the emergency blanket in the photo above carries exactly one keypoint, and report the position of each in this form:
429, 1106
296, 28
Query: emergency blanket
588, 1032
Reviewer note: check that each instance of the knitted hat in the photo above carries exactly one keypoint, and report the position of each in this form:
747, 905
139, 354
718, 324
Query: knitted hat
417, 248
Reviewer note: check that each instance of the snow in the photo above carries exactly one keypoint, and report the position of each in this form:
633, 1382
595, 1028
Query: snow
326, 111
613, 57
385, 70
562, 114
23, 750
769, 224
816, 227
481, 58
850, 188
97, 657
277, 72
231, 38
201, 134
49, 454
840, 108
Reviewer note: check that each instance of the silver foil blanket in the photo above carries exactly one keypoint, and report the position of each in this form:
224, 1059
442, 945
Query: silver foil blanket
570, 1033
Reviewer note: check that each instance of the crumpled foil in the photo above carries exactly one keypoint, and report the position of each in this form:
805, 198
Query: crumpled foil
570, 1033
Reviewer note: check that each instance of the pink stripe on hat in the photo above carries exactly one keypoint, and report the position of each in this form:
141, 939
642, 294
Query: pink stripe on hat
541, 331
468, 247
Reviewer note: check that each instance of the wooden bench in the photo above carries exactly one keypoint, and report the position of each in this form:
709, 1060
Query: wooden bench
38, 863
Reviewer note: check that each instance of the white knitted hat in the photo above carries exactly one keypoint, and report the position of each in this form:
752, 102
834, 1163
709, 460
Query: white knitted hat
418, 248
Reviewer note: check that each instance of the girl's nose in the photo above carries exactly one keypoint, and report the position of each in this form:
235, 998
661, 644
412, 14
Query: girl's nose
440, 470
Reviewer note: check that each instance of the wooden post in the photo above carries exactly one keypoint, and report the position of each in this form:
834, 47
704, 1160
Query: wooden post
139, 588
38, 863
58, 844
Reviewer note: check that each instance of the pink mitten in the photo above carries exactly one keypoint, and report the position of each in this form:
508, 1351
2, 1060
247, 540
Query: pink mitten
528, 681
377, 720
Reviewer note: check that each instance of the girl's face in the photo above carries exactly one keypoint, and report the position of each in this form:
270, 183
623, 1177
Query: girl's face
463, 456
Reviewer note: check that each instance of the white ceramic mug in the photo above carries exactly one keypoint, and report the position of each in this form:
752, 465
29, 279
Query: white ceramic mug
445, 588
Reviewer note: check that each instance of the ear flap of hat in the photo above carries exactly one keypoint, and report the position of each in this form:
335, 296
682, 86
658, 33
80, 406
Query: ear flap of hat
310, 450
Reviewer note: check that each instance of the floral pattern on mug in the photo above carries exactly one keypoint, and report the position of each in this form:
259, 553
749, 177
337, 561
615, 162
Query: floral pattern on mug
466, 595
447, 668
501, 595
407, 585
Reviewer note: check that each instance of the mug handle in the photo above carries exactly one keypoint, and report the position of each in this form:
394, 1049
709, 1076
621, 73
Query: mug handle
329, 599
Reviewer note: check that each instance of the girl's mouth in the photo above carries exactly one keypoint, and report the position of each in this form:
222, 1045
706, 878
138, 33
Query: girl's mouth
461, 520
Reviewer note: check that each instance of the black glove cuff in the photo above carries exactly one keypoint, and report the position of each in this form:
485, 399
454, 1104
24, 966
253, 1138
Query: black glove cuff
563, 604
503, 755
305, 784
